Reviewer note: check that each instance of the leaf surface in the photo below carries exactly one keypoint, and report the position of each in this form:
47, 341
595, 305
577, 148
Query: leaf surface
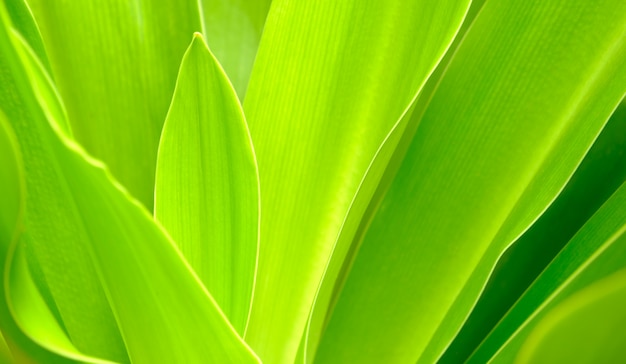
597, 251
330, 82
527, 92
16, 345
586, 328
602, 171
115, 65
206, 192
23, 21
233, 30
123, 290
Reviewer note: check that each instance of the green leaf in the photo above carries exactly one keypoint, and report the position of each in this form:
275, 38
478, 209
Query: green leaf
206, 192
396, 145
115, 65
96, 331
388, 158
596, 179
527, 92
233, 29
109, 266
15, 344
11, 185
117, 74
597, 251
330, 84
5, 352
23, 21
11, 214
586, 328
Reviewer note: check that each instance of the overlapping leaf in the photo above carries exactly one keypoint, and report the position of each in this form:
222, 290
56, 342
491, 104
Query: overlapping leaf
587, 328
22, 20
330, 82
602, 171
115, 64
596, 252
388, 158
233, 29
526, 94
123, 291
206, 192
16, 345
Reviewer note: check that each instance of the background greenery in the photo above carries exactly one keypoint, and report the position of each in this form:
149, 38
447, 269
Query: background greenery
312, 181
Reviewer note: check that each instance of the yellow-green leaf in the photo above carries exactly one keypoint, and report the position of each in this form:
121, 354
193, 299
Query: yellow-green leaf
527, 92
586, 328
331, 81
206, 192
233, 29
123, 290
597, 251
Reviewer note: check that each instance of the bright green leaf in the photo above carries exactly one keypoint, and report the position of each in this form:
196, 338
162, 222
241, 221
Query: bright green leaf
108, 265
206, 192
115, 64
586, 328
389, 158
527, 92
330, 83
602, 171
23, 21
16, 345
233, 29
597, 251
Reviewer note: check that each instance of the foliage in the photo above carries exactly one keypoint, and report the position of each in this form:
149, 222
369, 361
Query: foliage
312, 181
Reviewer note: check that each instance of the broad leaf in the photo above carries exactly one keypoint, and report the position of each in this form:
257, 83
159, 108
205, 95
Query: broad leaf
117, 74
23, 21
586, 328
388, 157
597, 251
113, 272
15, 344
602, 171
233, 29
206, 192
330, 83
520, 104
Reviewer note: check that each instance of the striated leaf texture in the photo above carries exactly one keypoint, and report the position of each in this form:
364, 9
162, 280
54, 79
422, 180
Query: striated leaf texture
206, 192
122, 289
526, 94
330, 82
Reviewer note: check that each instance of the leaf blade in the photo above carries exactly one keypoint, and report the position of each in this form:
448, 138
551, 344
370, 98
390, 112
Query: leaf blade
206, 192
475, 155
321, 100
589, 324
233, 30
154, 299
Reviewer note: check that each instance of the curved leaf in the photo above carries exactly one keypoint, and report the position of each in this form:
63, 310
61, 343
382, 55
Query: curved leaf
16, 345
501, 136
397, 144
602, 171
233, 30
206, 192
108, 265
328, 86
586, 328
115, 65
23, 21
597, 251
117, 74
